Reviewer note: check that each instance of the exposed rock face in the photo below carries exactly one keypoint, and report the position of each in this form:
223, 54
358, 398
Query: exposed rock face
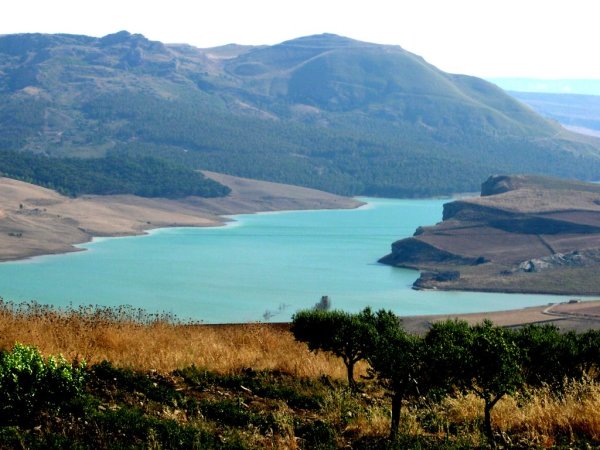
520, 224
572, 259
498, 184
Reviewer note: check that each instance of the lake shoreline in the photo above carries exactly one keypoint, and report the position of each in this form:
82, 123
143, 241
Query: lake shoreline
262, 268
576, 315
567, 316
66, 223
36, 221
515, 290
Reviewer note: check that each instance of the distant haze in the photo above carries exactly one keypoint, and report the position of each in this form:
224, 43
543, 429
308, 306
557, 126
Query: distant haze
586, 87
508, 38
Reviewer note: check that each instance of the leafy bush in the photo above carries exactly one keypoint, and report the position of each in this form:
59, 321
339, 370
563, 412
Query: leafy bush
548, 356
29, 383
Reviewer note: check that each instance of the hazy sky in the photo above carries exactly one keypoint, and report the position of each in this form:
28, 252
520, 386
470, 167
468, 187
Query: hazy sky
486, 38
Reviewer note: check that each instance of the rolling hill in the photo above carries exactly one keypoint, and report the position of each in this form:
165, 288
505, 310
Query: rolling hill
321, 111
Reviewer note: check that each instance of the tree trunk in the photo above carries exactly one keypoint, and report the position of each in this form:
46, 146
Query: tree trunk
489, 404
488, 421
396, 407
350, 372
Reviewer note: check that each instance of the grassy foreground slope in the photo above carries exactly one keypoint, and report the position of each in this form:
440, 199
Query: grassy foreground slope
182, 385
321, 111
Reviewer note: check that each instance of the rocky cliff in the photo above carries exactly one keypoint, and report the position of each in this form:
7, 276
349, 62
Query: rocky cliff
522, 232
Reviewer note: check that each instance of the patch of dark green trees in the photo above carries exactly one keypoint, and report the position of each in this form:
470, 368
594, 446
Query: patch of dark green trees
452, 356
113, 174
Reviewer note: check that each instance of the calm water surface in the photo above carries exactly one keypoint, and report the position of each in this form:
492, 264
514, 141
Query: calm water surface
262, 267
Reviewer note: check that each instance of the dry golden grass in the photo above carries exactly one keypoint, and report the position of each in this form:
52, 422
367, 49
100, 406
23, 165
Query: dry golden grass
538, 418
130, 338
133, 339
374, 422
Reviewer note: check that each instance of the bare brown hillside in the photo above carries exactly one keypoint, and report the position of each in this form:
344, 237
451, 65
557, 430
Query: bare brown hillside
36, 221
524, 234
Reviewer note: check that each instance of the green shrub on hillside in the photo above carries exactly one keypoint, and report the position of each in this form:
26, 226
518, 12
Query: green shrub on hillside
29, 383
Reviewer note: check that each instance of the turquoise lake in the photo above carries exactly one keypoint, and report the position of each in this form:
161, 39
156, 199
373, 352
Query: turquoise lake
262, 267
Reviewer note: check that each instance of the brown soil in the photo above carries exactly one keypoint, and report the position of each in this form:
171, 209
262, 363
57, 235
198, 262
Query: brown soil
524, 234
567, 316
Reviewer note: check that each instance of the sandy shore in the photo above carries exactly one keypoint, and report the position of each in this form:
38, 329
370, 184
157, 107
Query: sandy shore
37, 221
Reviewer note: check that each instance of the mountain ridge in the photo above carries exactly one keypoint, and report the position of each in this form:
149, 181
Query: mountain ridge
322, 111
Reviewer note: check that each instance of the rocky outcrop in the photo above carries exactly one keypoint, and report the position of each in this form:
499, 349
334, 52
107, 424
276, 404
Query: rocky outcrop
517, 221
575, 258
432, 279
468, 211
412, 252
497, 185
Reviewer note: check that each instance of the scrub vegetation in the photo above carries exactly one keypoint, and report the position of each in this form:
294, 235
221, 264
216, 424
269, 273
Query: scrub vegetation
132, 379
324, 111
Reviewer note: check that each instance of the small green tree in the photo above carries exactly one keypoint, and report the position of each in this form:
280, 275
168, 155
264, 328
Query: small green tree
482, 358
548, 356
494, 368
346, 335
588, 352
396, 358
448, 346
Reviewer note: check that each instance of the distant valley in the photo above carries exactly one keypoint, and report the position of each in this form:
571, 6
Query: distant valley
549, 86
577, 112
573, 103
81, 114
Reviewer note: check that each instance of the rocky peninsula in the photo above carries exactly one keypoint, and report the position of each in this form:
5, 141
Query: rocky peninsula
523, 234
